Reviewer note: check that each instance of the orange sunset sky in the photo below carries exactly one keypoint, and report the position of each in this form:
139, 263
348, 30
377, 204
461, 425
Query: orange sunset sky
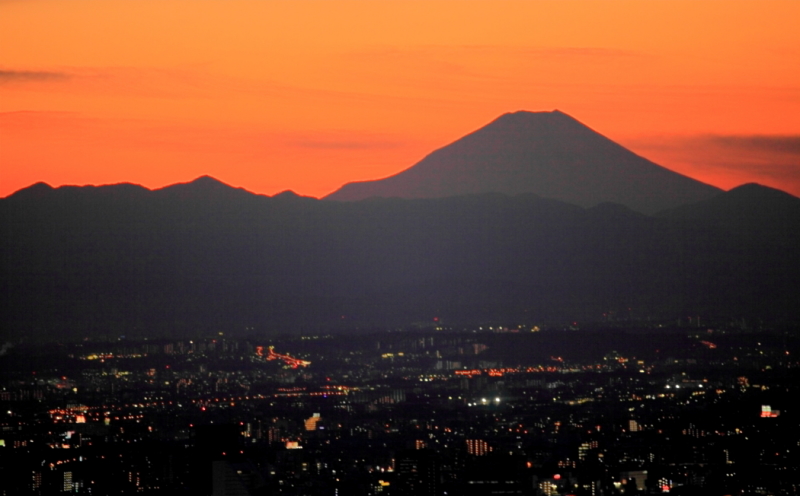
305, 95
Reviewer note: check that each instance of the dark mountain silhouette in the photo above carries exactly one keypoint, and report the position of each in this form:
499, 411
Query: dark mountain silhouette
202, 256
546, 153
203, 187
288, 194
45, 191
37, 190
750, 206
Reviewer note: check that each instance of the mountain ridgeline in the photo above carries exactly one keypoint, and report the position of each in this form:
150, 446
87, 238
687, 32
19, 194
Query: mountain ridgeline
113, 260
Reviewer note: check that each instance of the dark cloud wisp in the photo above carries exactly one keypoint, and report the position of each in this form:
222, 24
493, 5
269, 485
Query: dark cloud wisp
789, 144
10, 76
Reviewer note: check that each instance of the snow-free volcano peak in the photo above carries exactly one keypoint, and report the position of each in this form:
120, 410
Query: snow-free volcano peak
550, 154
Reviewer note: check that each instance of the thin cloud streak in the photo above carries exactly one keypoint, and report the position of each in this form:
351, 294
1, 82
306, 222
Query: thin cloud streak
590, 52
12, 76
366, 144
789, 144
445, 51
748, 147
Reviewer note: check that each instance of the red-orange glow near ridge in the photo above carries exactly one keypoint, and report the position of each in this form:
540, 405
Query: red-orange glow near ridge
309, 94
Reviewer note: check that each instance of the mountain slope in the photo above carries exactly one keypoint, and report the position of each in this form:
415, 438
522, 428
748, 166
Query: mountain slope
546, 153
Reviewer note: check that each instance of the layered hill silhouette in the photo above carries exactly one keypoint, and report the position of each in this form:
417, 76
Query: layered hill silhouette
546, 153
113, 260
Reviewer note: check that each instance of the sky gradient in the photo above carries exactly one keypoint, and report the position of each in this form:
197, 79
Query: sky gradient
304, 95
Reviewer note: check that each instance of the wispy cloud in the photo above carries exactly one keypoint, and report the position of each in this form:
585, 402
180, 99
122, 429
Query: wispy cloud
789, 144
497, 50
13, 76
588, 52
745, 145
344, 144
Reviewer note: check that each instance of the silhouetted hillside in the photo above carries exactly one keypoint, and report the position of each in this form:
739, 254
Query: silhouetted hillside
750, 209
123, 259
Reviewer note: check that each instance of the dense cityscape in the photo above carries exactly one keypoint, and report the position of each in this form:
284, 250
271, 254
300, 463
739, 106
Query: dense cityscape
687, 407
